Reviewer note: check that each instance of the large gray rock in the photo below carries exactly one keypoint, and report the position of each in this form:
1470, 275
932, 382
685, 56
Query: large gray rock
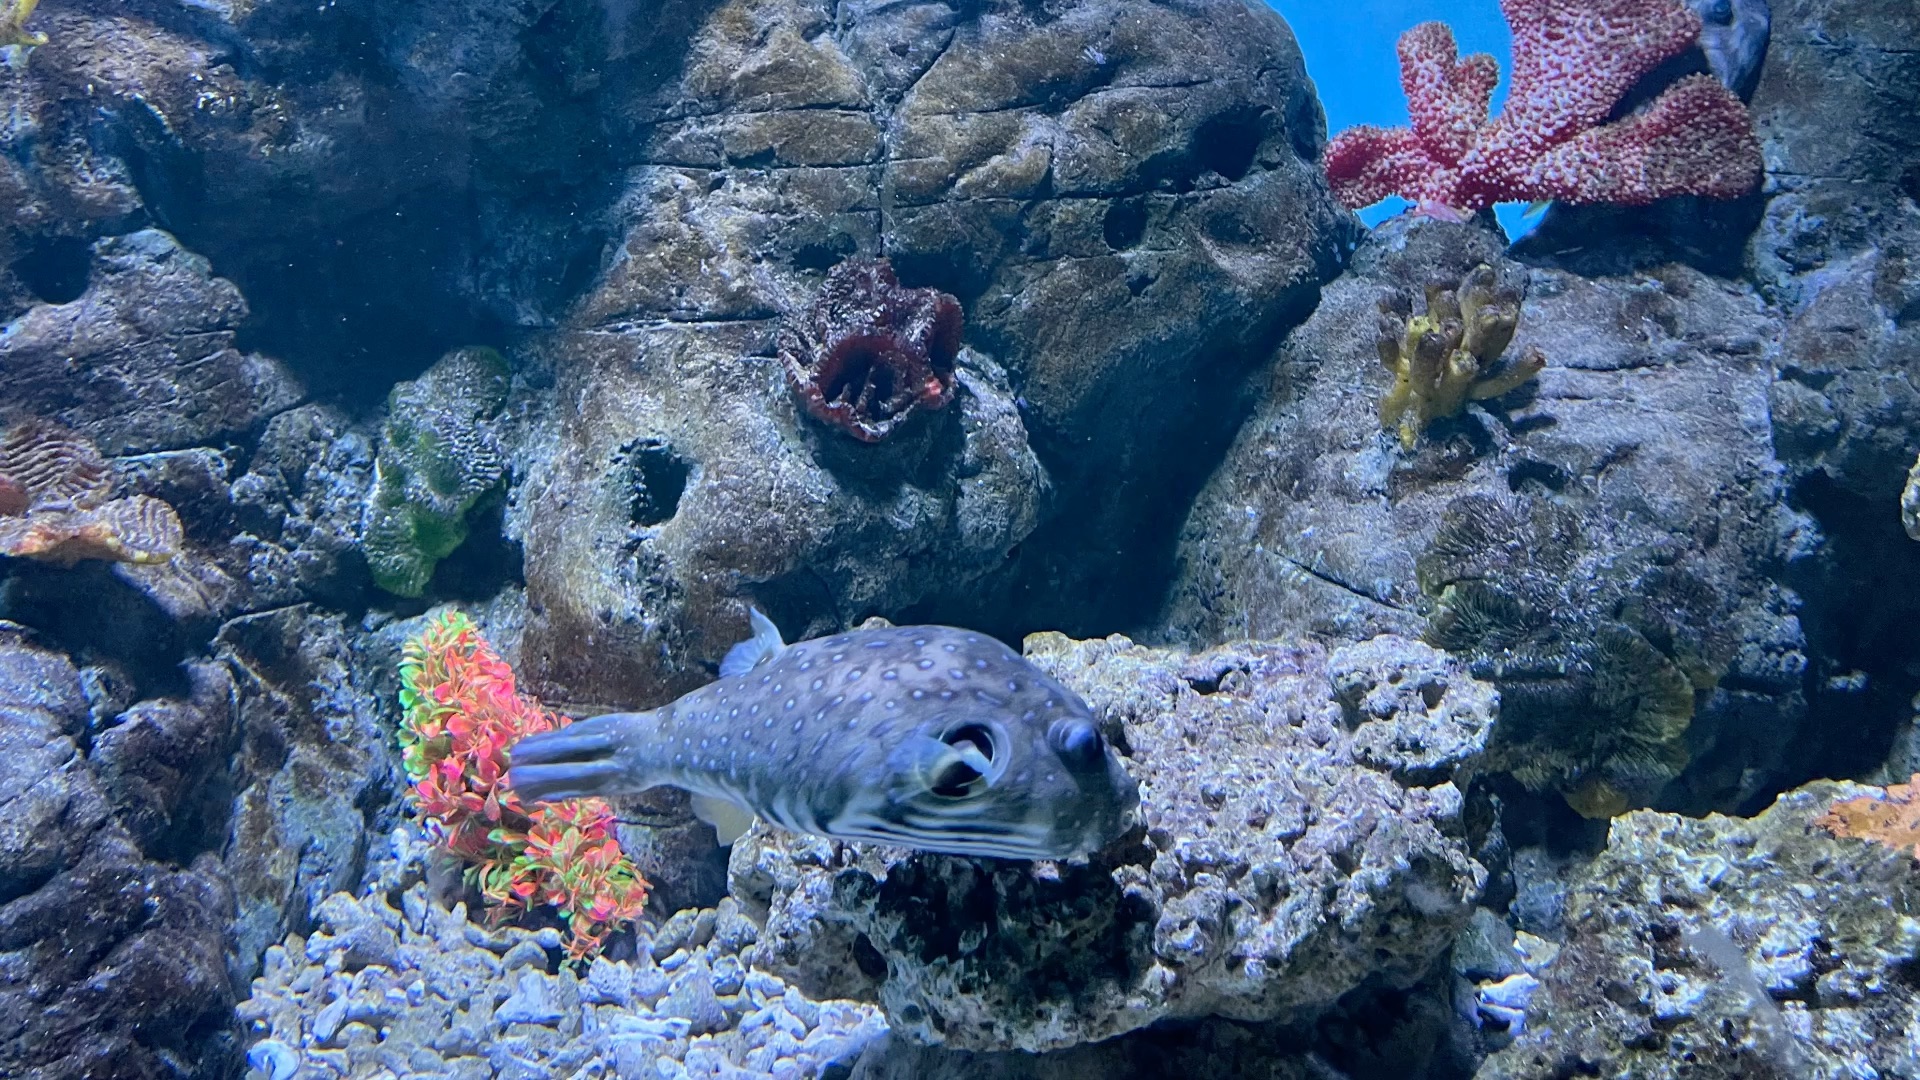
111, 964
1121, 233
1725, 947
315, 769
144, 359
1592, 541
1303, 836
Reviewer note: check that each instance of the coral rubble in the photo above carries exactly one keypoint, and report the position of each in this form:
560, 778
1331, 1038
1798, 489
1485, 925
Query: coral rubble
1553, 139
1729, 948
421, 991
1449, 354
867, 353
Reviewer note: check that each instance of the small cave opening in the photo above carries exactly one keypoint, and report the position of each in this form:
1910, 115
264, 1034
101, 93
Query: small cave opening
1228, 143
56, 270
1125, 224
657, 478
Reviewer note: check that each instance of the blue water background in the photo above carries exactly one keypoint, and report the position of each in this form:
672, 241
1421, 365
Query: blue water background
1349, 45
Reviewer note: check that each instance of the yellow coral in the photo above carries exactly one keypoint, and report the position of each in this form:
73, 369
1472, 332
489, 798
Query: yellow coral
13, 24
1892, 819
1447, 355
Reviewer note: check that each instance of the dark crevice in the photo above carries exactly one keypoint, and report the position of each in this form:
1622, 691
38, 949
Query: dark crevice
56, 270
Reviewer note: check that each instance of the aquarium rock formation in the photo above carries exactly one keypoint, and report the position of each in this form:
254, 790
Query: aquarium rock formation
1552, 542
1723, 947
1417, 723
1304, 834
919, 135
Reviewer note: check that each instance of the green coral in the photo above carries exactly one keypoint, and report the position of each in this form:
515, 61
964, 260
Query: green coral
440, 453
13, 24
1597, 677
1449, 354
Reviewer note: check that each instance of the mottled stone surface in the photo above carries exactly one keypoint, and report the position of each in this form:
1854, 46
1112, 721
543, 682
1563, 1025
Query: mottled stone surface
1724, 947
1121, 231
144, 359
111, 963
1646, 437
315, 765
1302, 836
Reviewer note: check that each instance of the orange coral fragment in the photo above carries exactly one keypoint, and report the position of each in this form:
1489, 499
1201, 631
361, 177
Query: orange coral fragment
1892, 819
54, 505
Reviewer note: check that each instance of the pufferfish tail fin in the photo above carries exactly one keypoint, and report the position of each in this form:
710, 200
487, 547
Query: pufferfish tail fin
754, 651
580, 760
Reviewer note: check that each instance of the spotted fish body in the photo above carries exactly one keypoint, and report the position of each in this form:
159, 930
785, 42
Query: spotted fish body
924, 736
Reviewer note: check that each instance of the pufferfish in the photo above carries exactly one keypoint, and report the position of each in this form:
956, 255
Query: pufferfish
927, 737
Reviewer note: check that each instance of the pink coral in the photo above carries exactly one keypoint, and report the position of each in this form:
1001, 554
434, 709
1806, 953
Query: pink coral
1573, 60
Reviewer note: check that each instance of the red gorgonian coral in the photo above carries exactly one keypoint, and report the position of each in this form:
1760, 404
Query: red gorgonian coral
1573, 60
868, 353
462, 713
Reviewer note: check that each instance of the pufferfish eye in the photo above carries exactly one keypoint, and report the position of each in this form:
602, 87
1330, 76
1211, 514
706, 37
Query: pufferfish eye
1077, 742
965, 772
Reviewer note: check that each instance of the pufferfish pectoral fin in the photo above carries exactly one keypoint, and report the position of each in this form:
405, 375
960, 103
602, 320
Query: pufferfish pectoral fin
754, 651
729, 819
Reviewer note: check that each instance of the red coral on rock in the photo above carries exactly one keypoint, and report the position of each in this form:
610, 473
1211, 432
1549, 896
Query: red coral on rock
868, 353
1573, 60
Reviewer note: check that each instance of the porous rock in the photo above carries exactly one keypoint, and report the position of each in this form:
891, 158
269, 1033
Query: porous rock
1640, 460
1302, 836
1729, 947
1170, 222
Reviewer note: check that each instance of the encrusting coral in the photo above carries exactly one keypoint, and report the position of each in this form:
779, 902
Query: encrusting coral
54, 505
1892, 818
1573, 60
462, 711
1449, 354
13, 24
439, 453
1590, 706
868, 353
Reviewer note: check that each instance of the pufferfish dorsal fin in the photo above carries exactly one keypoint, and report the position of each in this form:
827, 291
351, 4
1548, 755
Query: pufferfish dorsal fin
754, 651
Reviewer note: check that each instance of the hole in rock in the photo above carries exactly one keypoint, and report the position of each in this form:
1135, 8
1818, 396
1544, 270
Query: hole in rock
56, 270
658, 478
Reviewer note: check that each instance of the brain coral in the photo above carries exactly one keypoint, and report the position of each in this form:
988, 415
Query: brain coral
439, 453
54, 505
